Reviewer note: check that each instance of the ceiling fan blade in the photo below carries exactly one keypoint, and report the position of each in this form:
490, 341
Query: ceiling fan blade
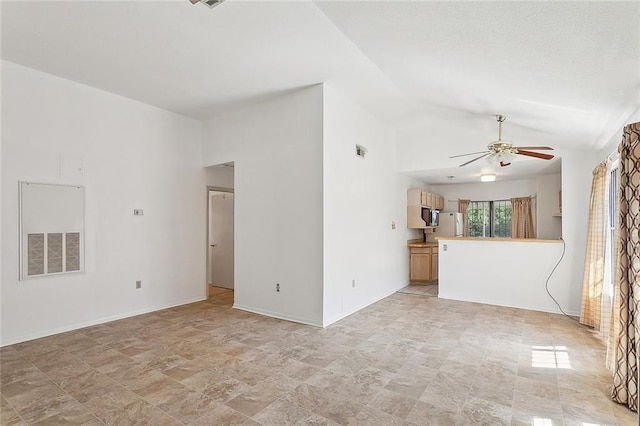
535, 154
534, 147
471, 153
475, 159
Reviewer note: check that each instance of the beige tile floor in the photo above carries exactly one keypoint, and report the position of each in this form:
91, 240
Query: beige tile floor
406, 360
424, 290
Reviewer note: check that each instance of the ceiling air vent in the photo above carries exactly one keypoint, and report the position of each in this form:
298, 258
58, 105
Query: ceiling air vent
361, 151
210, 3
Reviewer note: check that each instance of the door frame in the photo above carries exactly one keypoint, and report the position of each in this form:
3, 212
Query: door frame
206, 246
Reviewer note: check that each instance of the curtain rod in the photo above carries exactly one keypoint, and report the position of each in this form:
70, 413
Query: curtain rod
530, 196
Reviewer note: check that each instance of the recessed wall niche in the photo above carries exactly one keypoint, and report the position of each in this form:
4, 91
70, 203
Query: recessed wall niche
51, 229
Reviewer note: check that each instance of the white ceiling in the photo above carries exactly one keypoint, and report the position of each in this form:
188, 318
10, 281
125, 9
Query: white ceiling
566, 74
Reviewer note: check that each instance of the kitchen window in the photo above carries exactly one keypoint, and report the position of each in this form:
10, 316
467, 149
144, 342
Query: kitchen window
490, 218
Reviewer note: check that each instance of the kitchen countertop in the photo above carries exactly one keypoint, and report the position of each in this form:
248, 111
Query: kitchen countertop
421, 244
499, 240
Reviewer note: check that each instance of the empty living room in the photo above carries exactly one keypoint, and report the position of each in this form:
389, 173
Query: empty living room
309, 212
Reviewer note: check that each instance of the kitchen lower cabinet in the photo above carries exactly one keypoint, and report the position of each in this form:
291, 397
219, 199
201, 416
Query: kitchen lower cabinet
423, 264
434, 264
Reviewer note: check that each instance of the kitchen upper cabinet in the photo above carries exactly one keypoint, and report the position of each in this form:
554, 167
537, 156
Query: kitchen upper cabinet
417, 197
417, 201
431, 200
424, 198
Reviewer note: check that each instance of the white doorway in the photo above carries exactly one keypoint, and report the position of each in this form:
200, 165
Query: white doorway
220, 239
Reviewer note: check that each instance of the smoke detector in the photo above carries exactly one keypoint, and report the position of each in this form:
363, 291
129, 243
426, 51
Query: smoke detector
210, 3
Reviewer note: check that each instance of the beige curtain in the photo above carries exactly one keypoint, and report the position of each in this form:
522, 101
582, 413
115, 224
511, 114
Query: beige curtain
593, 279
627, 275
609, 325
462, 208
521, 218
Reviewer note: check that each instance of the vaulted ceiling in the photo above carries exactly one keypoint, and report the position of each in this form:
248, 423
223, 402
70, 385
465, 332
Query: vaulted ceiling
566, 74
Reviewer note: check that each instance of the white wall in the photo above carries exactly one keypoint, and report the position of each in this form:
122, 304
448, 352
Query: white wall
577, 169
277, 149
548, 206
502, 273
134, 156
362, 197
423, 148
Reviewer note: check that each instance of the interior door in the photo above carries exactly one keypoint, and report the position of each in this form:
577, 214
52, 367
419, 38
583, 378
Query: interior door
221, 239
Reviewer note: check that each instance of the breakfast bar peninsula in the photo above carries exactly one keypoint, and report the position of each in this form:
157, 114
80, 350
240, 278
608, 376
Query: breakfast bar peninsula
503, 271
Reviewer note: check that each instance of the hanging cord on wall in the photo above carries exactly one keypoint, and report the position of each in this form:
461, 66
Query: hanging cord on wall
546, 284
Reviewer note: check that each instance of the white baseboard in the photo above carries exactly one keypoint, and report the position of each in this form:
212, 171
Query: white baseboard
309, 321
549, 309
278, 315
352, 311
12, 340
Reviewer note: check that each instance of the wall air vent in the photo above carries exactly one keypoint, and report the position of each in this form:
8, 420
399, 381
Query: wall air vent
361, 151
210, 3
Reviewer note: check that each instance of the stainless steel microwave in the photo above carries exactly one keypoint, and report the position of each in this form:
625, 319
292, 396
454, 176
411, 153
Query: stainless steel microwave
430, 216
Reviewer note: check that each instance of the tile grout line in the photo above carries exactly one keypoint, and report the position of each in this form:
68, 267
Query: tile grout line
59, 387
14, 409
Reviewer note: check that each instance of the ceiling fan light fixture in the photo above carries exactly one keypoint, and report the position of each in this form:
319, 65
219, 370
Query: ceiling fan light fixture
487, 178
503, 157
210, 3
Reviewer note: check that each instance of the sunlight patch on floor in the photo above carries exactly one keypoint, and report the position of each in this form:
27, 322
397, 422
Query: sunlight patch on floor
550, 357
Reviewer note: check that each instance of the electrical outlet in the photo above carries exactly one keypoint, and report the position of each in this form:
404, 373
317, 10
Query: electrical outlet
138, 212
353, 283
444, 247
393, 225
138, 284
278, 287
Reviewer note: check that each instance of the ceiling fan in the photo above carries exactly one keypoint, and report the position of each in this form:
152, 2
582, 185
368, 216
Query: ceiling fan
210, 3
503, 151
